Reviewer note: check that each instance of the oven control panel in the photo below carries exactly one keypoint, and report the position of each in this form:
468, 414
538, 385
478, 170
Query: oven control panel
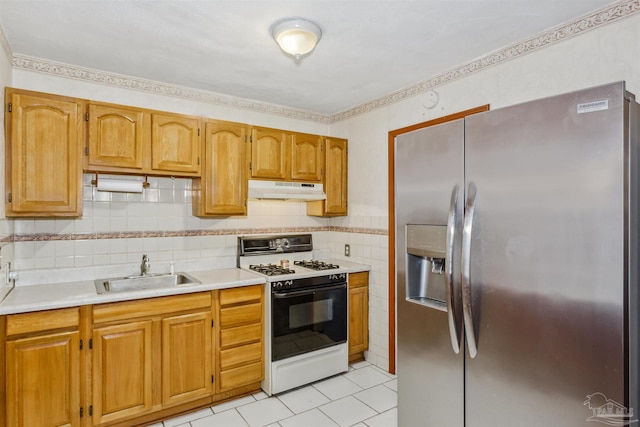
284, 284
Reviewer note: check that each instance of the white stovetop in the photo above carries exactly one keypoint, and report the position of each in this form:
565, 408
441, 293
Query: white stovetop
300, 272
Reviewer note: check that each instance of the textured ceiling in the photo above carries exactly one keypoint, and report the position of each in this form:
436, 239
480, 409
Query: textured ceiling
369, 48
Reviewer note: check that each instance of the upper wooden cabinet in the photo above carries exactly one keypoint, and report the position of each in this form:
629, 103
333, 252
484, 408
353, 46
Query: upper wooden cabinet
175, 143
335, 180
222, 190
270, 153
125, 139
286, 156
116, 137
43, 155
307, 160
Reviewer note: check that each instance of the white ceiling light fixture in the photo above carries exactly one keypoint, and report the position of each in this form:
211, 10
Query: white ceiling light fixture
296, 36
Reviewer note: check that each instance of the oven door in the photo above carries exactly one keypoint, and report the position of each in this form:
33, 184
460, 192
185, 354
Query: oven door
307, 320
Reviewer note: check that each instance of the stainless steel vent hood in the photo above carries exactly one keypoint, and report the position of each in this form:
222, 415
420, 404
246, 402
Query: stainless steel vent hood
279, 190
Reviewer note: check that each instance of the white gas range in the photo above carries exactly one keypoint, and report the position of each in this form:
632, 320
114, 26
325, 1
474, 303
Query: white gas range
306, 318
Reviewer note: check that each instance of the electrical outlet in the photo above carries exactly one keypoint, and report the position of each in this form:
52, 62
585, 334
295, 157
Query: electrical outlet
347, 250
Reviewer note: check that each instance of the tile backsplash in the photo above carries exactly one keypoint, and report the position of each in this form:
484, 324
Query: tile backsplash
116, 228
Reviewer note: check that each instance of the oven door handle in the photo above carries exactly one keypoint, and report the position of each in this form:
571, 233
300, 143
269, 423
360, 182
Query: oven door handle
280, 294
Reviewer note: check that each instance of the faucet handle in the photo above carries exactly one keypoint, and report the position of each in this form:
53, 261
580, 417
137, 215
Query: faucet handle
145, 266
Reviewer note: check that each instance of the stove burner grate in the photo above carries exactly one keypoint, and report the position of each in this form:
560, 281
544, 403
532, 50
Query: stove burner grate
316, 265
270, 269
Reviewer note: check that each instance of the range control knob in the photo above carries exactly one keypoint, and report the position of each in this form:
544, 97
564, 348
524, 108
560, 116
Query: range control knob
288, 284
277, 285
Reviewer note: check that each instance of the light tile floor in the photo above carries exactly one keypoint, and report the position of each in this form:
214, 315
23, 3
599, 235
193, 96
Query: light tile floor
365, 396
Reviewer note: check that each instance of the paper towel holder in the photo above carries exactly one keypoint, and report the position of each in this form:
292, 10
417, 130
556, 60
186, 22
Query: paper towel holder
145, 183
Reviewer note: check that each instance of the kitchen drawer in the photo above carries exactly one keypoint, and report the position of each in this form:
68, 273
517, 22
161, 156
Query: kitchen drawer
240, 295
231, 316
242, 375
231, 337
150, 307
358, 279
39, 321
240, 355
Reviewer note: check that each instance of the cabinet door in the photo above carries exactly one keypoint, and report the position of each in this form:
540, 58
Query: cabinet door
307, 160
336, 176
175, 143
116, 137
223, 188
335, 180
186, 357
122, 381
269, 153
358, 315
43, 162
43, 381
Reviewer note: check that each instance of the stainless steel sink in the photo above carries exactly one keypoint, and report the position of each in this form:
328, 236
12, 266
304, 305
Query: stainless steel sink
149, 281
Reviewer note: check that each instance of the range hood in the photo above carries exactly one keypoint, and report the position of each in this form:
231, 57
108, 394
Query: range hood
279, 190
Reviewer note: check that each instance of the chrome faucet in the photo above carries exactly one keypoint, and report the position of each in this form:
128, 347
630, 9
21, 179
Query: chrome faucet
145, 267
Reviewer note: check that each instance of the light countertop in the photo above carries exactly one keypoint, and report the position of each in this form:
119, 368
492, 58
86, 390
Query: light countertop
23, 299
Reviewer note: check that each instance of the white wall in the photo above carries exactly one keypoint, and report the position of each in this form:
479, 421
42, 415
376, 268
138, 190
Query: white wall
6, 226
603, 55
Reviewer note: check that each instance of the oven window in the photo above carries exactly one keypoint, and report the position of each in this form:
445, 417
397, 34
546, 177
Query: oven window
310, 313
308, 321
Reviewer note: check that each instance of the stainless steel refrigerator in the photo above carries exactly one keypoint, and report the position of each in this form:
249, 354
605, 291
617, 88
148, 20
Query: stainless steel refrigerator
517, 265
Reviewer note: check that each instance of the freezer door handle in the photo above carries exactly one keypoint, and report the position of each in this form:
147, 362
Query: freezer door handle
467, 231
452, 223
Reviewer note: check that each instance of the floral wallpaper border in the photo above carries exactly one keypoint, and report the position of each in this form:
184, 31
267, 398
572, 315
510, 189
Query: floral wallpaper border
596, 19
40, 237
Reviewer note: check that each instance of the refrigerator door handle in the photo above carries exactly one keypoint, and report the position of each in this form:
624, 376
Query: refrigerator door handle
452, 223
466, 269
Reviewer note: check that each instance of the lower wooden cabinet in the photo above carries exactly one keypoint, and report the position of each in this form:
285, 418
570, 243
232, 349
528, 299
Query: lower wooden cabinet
240, 338
186, 357
358, 315
43, 397
42, 369
150, 354
122, 369
130, 363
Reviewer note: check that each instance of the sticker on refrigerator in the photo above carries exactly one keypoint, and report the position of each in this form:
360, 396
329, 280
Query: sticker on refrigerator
590, 107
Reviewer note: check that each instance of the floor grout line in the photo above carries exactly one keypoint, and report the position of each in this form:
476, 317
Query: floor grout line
352, 368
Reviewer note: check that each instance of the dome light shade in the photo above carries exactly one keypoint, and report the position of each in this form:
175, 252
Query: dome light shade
297, 37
